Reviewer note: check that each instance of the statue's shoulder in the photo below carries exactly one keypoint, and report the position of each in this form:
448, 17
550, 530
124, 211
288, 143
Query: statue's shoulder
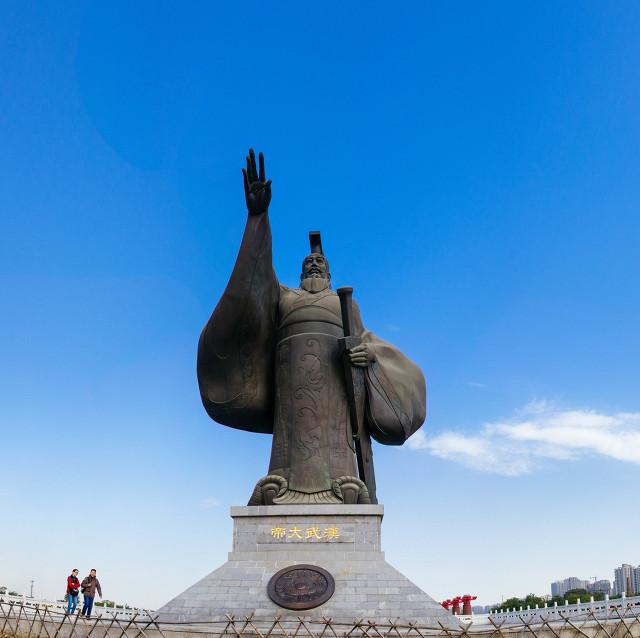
285, 291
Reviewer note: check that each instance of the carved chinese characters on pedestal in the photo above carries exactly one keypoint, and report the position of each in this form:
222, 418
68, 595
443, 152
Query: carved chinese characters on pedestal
271, 359
324, 533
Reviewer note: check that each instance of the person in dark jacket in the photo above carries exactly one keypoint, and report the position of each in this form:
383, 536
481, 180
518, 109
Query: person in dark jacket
89, 586
73, 588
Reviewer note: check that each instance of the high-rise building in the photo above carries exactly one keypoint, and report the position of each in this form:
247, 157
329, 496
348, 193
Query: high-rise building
576, 583
624, 580
636, 580
600, 587
561, 587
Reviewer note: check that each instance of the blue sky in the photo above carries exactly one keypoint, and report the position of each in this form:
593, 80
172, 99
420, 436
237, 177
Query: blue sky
474, 169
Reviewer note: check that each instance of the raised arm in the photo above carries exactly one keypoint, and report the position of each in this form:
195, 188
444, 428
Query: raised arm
253, 270
236, 348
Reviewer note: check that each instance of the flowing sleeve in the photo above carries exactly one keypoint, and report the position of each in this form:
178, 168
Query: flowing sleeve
396, 403
236, 347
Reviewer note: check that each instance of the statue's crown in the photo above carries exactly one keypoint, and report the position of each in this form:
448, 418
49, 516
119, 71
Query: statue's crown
315, 242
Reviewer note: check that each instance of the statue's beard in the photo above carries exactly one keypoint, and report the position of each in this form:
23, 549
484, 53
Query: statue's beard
315, 284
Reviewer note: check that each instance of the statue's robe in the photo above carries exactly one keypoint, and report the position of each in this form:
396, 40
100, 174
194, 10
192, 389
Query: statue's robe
269, 361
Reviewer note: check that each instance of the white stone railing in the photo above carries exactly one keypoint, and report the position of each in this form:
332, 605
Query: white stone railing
602, 608
18, 621
61, 606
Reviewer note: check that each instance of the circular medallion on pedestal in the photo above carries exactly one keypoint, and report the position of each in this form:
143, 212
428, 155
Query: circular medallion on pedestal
301, 587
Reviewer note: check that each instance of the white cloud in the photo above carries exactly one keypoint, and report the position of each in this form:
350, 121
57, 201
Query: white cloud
538, 432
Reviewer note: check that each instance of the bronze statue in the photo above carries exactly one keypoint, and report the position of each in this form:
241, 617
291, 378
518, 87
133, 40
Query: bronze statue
271, 359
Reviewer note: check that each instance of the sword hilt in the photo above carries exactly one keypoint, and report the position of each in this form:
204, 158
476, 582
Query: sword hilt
346, 309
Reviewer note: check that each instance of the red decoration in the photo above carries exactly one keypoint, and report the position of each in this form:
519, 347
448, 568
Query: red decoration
454, 603
466, 604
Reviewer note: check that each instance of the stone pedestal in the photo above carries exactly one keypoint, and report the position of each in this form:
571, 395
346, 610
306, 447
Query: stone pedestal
344, 540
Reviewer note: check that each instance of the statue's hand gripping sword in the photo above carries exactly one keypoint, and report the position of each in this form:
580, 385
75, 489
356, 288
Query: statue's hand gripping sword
354, 378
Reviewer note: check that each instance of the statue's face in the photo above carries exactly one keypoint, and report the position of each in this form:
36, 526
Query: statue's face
315, 266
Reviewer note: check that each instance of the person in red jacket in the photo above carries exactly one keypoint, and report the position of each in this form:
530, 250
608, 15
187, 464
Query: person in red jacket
73, 588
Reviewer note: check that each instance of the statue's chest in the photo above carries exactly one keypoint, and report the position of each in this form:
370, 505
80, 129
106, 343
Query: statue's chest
299, 306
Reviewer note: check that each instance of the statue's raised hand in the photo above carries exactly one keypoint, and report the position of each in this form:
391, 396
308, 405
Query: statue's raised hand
257, 189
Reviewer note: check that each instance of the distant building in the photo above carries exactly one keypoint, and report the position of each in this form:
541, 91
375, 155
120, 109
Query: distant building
561, 587
600, 587
576, 583
636, 580
624, 580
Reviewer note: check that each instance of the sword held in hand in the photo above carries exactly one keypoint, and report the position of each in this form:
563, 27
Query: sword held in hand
354, 378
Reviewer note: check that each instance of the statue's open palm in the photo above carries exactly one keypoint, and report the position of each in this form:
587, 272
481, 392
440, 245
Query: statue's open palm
257, 189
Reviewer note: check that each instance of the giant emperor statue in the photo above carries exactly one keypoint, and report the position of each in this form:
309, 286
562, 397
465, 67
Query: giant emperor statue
273, 359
